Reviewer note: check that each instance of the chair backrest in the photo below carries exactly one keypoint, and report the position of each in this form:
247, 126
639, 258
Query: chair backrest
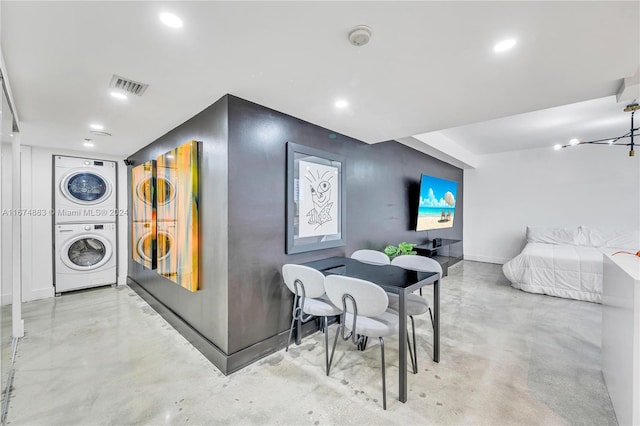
371, 299
371, 256
418, 263
312, 279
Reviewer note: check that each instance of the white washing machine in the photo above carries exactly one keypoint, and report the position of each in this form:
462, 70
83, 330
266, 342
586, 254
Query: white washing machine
85, 255
85, 190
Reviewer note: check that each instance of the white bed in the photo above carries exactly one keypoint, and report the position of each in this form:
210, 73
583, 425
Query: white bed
566, 262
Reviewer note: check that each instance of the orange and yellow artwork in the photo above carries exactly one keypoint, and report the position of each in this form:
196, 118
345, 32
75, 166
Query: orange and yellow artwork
143, 215
178, 242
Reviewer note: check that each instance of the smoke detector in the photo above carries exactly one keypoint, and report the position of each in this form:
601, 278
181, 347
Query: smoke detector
360, 35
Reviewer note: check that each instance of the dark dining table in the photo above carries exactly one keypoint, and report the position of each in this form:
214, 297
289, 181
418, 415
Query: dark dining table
392, 279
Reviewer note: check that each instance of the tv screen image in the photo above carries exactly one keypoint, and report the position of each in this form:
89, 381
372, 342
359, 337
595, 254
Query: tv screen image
437, 205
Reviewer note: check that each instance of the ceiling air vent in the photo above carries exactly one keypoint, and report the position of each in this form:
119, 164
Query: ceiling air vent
127, 85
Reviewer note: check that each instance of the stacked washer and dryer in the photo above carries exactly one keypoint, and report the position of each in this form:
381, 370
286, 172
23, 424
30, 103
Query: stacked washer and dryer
85, 214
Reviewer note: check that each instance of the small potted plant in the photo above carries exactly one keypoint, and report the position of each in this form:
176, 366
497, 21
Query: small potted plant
399, 250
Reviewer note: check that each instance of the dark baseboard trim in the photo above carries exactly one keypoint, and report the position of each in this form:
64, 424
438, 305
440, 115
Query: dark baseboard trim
227, 364
253, 353
201, 343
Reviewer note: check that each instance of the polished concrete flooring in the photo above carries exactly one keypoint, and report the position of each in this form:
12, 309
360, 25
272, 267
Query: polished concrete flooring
103, 356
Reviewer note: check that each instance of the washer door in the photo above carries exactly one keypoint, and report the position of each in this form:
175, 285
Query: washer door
164, 245
86, 252
85, 187
165, 191
145, 245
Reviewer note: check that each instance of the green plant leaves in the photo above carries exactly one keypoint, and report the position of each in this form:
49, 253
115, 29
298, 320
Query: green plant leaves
401, 250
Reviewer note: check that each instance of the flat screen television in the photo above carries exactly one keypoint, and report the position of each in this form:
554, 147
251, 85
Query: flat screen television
437, 203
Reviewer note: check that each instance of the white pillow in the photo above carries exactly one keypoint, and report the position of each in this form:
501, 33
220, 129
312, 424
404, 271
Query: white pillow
627, 240
538, 234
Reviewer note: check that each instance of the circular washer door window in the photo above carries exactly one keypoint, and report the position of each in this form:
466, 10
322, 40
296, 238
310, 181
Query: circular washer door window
166, 191
145, 247
86, 253
86, 187
164, 242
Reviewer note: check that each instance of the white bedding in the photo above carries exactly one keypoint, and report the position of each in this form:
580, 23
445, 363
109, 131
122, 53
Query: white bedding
567, 262
561, 270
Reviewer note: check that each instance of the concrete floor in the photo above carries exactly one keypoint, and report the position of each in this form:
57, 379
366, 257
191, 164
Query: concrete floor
103, 356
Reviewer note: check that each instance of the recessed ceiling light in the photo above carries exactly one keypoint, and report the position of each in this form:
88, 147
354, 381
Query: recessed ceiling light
171, 20
574, 141
88, 144
96, 126
341, 104
118, 95
557, 146
504, 45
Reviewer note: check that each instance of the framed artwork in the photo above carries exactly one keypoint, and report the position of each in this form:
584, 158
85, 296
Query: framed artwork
178, 238
143, 214
316, 196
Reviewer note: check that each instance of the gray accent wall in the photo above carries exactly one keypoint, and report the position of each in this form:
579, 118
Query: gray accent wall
244, 309
207, 309
382, 194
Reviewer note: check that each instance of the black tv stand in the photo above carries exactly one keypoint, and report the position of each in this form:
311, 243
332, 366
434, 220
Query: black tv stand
447, 254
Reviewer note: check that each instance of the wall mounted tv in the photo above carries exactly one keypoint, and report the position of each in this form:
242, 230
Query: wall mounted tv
437, 203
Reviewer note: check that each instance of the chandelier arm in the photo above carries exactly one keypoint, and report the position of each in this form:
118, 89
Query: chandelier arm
626, 135
632, 130
612, 141
606, 143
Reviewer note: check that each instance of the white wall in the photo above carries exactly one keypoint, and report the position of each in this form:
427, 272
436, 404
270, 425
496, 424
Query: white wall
597, 186
6, 261
37, 236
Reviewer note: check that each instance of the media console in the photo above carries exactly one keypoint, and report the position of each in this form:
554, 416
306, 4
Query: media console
448, 253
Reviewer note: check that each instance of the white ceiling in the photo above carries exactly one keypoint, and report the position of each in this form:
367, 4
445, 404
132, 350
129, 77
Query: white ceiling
429, 66
590, 120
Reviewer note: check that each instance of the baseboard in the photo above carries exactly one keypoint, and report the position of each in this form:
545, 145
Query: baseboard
226, 363
6, 299
205, 346
41, 293
486, 259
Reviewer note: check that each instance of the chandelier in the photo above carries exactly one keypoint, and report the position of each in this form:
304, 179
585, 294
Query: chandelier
612, 141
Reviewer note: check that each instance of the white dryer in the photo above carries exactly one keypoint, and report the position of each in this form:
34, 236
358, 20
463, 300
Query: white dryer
85, 190
85, 255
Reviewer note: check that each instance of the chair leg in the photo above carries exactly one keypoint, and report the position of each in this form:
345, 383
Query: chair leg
431, 315
335, 341
413, 363
298, 338
326, 344
384, 381
363, 343
415, 347
293, 320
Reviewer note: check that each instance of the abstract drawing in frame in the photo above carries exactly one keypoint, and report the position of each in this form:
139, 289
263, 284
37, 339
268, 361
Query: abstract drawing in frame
315, 199
143, 214
178, 242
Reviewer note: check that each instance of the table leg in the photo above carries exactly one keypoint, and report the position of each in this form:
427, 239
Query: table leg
402, 350
436, 321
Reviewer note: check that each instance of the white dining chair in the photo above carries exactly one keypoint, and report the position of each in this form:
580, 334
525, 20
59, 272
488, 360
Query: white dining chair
364, 312
307, 285
371, 256
416, 304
